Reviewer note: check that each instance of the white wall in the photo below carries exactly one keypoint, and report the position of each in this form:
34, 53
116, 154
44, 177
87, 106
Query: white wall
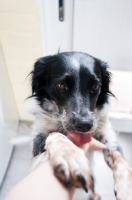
20, 40
103, 28
8, 117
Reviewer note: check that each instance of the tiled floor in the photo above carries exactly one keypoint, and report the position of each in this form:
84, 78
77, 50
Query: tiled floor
21, 160
18, 168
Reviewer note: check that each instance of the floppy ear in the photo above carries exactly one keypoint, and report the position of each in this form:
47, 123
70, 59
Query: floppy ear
105, 79
40, 78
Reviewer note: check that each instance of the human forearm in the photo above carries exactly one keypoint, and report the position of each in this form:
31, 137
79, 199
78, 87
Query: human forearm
41, 184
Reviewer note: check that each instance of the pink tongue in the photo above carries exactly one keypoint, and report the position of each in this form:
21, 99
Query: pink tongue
80, 139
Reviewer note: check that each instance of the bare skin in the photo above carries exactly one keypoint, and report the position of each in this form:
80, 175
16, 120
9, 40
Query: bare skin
41, 184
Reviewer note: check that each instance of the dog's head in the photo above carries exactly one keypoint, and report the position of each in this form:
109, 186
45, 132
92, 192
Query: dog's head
74, 83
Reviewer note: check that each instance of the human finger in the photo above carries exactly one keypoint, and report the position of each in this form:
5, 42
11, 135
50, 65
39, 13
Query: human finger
95, 145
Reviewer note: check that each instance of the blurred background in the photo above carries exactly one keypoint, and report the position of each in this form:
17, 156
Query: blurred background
30, 29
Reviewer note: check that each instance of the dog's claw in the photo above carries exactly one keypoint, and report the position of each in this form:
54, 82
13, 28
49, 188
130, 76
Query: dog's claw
92, 183
86, 190
83, 182
115, 192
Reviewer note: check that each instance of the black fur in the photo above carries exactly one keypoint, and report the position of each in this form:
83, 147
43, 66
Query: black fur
39, 143
45, 66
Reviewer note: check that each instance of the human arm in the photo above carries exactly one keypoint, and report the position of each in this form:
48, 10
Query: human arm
42, 184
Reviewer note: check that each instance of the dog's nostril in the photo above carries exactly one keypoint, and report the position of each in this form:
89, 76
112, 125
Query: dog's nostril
81, 123
83, 126
79, 128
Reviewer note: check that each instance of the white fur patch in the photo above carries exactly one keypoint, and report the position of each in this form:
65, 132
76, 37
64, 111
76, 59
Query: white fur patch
75, 63
44, 122
33, 107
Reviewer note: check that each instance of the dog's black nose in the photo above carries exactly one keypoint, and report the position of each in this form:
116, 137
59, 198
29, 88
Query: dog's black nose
83, 125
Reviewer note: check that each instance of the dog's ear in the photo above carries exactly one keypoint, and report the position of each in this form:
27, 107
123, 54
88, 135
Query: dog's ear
105, 87
40, 77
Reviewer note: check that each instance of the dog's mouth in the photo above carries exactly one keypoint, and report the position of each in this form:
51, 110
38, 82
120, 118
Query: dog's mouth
79, 138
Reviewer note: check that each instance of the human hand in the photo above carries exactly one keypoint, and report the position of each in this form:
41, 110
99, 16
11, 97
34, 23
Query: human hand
93, 145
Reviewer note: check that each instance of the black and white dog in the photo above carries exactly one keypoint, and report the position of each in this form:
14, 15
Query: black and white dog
70, 97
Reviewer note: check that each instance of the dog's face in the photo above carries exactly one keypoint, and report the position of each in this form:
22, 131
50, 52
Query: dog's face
73, 83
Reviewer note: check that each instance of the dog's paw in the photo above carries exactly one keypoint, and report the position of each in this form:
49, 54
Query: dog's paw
121, 172
69, 162
122, 177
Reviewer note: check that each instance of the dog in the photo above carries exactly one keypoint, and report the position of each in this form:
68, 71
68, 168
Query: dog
70, 97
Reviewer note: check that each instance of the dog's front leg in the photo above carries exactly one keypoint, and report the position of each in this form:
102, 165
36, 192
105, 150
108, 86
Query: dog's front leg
122, 175
69, 162
39, 144
121, 170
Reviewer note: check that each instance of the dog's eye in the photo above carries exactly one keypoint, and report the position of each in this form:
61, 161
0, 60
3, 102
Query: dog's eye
63, 87
95, 87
